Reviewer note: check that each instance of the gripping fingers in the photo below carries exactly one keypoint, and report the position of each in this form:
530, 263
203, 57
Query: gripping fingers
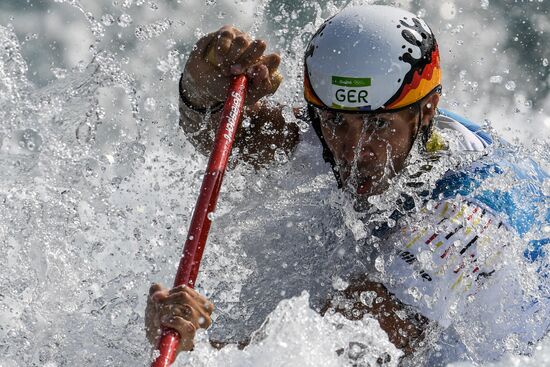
157, 294
192, 306
234, 51
184, 311
193, 293
272, 62
240, 45
230, 44
222, 49
250, 56
258, 73
154, 288
185, 328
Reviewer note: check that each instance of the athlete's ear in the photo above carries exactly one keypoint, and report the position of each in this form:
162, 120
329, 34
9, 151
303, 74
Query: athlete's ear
429, 107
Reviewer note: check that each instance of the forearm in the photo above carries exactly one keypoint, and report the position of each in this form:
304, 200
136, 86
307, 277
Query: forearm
265, 133
405, 327
199, 126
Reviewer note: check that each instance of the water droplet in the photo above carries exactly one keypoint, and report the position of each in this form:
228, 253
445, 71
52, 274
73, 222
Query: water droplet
415, 293
148, 31
211, 216
107, 20
367, 298
545, 62
303, 126
170, 64
447, 10
510, 85
116, 181
401, 314
356, 350
495, 79
170, 43
280, 156
379, 264
124, 20
210, 2
59, 73
425, 258
150, 104
100, 113
339, 284
484, 4
31, 140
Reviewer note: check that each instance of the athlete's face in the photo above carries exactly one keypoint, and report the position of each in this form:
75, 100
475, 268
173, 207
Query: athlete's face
370, 149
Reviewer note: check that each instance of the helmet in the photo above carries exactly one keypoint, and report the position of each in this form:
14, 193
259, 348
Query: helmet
371, 58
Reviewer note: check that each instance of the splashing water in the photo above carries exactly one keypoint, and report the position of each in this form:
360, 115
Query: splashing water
98, 184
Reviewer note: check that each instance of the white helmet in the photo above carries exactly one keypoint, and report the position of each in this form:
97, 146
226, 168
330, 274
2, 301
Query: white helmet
371, 58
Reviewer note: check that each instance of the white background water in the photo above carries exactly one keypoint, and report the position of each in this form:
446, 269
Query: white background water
98, 182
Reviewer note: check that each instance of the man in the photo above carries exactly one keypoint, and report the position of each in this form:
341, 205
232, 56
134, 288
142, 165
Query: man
372, 81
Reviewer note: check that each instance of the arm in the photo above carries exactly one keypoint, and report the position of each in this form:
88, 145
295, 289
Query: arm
216, 58
405, 328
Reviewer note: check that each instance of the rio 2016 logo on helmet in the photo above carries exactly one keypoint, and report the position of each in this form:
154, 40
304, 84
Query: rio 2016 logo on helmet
371, 58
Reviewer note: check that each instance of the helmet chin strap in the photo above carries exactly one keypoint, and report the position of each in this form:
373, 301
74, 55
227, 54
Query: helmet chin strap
418, 128
425, 130
327, 154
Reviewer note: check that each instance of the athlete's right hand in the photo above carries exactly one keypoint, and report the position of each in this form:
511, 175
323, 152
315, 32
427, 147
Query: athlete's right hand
219, 56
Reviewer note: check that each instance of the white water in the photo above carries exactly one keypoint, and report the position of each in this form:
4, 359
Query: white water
98, 182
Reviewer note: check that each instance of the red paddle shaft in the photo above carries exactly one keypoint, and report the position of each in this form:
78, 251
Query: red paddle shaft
206, 203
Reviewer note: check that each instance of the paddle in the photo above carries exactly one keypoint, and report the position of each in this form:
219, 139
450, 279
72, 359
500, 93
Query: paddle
206, 203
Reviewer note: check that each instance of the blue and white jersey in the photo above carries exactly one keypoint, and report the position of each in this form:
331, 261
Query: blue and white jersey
473, 256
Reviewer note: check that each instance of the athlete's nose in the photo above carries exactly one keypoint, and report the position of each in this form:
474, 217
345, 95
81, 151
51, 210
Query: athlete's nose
351, 137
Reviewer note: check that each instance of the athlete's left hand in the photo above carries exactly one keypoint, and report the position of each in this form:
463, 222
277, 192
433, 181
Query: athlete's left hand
182, 309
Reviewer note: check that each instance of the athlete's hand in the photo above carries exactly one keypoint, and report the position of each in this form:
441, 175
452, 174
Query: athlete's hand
181, 309
220, 55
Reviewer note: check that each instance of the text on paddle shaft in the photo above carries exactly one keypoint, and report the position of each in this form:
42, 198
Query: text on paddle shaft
233, 116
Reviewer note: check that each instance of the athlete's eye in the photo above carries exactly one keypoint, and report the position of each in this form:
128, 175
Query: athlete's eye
337, 119
379, 123
330, 117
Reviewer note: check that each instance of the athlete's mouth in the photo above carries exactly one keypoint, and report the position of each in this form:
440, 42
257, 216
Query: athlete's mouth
360, 184
362, 180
